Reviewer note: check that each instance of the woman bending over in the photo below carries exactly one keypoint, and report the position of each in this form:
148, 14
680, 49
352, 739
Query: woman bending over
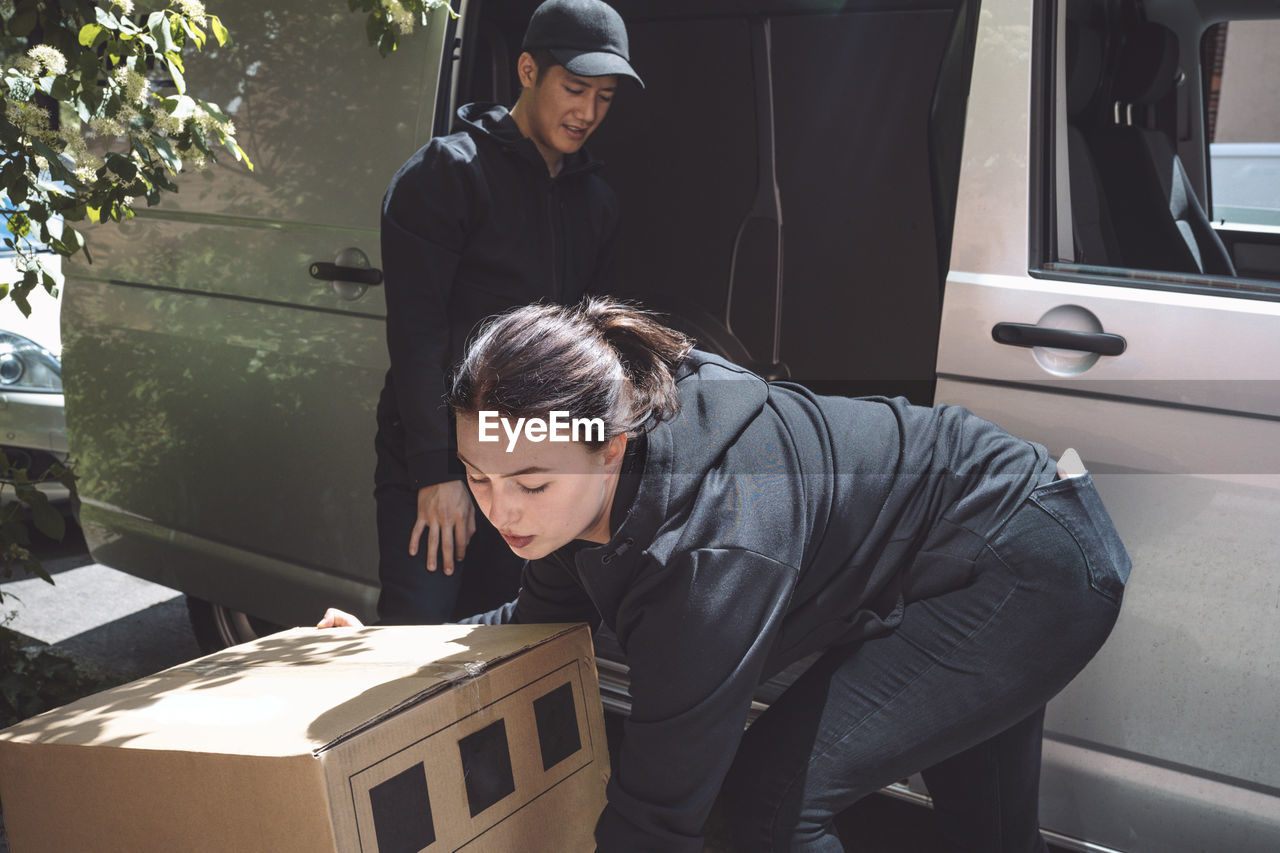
724, 527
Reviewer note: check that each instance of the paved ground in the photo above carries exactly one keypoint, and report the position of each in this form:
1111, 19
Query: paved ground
109, 622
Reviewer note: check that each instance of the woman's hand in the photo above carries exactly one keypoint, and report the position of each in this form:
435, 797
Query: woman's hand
335, 618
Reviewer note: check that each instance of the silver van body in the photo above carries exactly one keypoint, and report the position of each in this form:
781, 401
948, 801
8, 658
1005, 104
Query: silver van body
915, 160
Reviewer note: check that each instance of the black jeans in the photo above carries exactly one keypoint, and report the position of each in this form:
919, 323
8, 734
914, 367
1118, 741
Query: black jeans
956, 691
489, 576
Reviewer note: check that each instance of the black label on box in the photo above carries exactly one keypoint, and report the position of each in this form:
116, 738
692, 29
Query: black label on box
486, 766
557, 720
402, 812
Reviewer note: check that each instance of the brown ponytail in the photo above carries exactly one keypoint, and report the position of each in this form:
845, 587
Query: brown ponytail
599, 359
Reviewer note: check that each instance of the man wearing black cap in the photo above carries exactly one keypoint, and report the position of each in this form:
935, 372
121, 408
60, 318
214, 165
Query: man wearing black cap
505, 211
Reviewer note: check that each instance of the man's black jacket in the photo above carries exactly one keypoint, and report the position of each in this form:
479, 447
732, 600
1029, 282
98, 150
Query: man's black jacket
473, 225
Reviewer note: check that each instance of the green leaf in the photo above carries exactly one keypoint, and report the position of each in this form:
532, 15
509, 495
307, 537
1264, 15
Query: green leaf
88, 62
90, 33
166, 152
193, 32
122, 166
106, 19
174, 71
67, 477
219, 31
43, 149
181, 107
32, 567
61, 89
72, 238
387, 42
19, 224
162, 34
213, 110
23, 21
47, 519
239, 152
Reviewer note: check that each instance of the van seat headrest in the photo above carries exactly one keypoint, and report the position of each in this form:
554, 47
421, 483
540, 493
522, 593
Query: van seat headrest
1148, 65
1084, 66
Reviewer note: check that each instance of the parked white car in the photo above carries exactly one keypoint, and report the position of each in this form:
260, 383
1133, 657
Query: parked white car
1000, 205
33, 430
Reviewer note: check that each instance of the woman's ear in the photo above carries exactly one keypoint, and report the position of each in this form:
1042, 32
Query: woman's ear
613, 451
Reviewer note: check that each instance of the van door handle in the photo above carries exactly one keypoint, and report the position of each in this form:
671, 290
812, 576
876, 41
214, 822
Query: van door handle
325, 271
1031, 335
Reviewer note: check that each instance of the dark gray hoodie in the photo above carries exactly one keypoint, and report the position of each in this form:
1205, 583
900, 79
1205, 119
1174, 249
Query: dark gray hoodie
473, 225
767, 523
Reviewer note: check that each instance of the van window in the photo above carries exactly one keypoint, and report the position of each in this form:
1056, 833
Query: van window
1244, 122
1148, 116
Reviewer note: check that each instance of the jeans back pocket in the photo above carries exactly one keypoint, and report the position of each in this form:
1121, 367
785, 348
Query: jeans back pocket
1076, 505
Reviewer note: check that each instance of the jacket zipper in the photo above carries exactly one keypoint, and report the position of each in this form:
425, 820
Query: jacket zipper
557, 289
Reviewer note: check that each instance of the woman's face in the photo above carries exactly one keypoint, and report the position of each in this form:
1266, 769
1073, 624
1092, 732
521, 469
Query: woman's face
540, 495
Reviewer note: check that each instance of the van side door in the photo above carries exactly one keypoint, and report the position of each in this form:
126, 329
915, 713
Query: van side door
221, 373
1165, 379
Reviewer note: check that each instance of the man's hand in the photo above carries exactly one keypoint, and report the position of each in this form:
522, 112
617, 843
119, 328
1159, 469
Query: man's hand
445, 511
335, 618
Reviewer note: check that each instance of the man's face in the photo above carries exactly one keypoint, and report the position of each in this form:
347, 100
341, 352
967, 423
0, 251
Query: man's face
565, 109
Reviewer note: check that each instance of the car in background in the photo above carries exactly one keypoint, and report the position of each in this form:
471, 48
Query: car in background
1003, 205
1246, 182
33, 432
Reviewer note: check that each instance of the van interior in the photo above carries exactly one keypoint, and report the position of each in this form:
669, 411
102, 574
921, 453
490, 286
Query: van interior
1143, 83
788, 174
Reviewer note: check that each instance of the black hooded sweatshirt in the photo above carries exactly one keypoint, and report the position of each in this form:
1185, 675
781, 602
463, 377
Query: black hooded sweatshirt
473, 225
765, 523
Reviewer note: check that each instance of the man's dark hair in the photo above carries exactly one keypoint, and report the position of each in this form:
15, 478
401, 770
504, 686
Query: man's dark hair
545, 61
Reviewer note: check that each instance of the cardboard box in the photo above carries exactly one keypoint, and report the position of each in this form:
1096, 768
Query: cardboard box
377, 740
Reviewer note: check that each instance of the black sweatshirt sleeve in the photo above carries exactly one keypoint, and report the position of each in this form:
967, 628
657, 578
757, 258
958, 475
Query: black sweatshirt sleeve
549, 592
696, 636
424, 226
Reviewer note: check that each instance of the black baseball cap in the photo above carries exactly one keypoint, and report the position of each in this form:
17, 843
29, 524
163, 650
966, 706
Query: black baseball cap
585, 36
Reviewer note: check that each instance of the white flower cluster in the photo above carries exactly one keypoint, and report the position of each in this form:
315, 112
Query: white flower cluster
125, 6
167, 124
190, 8
106, 127
210, 124
131, 84
6, 9
49, 59
32, 120
86, 163
401, 18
